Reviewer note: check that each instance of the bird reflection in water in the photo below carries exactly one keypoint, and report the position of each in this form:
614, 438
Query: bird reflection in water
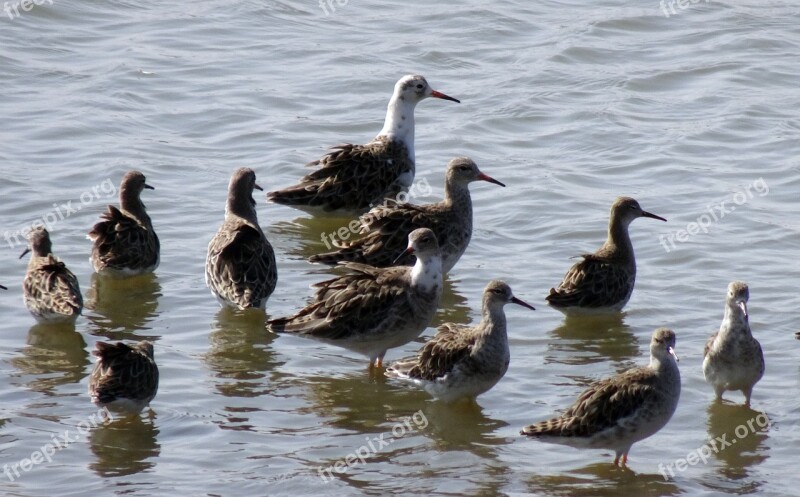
739, 435
122, 305
592, 339
125, 446
55, 355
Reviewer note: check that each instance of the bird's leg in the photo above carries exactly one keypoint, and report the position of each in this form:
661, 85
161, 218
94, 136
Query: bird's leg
625, 459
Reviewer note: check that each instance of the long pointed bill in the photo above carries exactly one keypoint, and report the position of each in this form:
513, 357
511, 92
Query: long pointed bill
24, 252
522, 303
673, 354
653, 216
743, 306
148, 187
3, 288
486, 177
438, 94
409, 250
255, 185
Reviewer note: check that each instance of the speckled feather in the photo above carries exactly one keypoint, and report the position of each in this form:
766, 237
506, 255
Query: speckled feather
351, 177
386, 227
124, 375
50, 291
124, 241
240, 265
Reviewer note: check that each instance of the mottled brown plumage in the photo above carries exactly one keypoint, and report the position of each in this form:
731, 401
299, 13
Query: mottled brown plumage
354, 178
125, 243
603, 281
386, 227
732, 357
616, 412
370, 310
462, 361
125, 377
240, 265
50, 290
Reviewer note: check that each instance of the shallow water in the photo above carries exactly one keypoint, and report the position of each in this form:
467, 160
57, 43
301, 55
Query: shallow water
569, 104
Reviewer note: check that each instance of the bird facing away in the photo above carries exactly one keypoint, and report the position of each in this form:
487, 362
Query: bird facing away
50, 290
603, 281
353, 178
616, 412
125, 377
462, 361
125, 243
385, 227
240, 265
732, 359
370, 310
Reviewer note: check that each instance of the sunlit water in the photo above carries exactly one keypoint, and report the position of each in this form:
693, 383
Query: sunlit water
569, 103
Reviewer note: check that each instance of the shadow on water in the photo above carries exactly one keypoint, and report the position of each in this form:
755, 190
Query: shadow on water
55, 355
601, 480
591, 339
122, 305
740, 435
125, 446
240, 354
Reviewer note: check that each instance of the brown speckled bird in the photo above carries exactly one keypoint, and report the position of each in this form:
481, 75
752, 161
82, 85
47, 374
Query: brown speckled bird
125, 377
354, 178
50, 290
386, 227
733, 359
462, 361
240, 265
370, 310
603, 281
125, 243
616, 412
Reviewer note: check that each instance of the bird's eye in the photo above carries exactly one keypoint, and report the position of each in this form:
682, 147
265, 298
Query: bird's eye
463, 168
419, 86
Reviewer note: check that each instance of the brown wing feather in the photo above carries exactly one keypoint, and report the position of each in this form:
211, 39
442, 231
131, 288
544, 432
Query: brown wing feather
53, 288
350, 177
361, 296
451, 345
121, 242
601, 406
385, 230
123, 372
241, 265
592, 282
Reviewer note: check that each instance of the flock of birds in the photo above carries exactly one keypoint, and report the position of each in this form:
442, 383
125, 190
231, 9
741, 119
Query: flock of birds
391, 288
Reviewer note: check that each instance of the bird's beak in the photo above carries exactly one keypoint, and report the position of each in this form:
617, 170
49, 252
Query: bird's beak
651, 215
673, 354
24, 252
409, 250
438, 94
255, 185
743, 306
2, 287
148, 187
486, 177
522, 303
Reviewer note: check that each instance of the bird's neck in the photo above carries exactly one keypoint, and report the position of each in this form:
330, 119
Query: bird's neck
426, 275
399, 123
241, 206
457, 194
618, 241
493, 317
130, 202
734, 322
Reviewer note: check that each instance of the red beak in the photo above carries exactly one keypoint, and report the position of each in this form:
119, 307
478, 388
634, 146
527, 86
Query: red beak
438, 94
486, 177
